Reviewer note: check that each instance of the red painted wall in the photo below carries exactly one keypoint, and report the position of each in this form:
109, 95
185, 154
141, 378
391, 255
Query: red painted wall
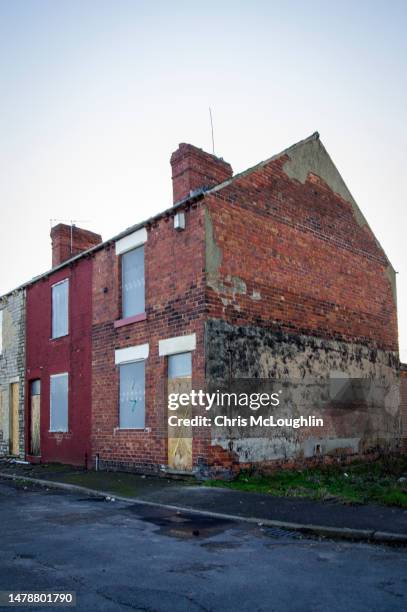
71, 353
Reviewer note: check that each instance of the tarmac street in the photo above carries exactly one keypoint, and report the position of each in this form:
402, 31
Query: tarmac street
119, 556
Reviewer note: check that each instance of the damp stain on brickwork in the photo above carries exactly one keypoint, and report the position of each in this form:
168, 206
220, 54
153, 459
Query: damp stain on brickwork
305, 364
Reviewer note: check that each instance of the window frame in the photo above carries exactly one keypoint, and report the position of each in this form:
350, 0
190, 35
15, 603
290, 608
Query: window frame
119, 365
63, 281
137, 315
53, 376
174, 356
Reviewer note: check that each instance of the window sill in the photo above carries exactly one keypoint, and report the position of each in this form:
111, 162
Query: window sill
142, 429
128, 320
53, 338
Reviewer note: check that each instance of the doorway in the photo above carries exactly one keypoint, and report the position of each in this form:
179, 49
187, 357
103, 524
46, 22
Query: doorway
14, 419
35, 403
180, 438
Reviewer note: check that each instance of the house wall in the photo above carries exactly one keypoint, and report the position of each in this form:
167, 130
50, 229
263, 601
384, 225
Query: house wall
297, 286
174, 298
71, 353
12, 365
403, 404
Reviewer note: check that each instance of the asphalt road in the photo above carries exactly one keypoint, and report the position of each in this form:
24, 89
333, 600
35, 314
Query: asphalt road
118, 556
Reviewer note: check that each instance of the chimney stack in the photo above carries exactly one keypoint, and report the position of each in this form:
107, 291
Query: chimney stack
194, 169
69, 240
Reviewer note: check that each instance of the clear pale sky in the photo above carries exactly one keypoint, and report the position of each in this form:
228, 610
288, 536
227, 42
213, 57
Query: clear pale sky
95, 95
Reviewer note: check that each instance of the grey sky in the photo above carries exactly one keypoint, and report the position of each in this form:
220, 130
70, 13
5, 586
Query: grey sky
95, 95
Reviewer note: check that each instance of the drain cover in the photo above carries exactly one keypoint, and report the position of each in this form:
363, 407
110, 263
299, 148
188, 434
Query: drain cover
277, 532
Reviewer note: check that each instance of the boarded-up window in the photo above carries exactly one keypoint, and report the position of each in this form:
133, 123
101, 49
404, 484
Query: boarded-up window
1, 332
132, 395
133, 282
59, 402
60, 298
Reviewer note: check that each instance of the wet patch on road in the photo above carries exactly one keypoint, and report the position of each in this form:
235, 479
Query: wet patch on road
182, 524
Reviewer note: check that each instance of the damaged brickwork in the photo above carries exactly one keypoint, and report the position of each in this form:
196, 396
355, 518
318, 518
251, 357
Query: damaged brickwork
12, 369
308, 364
297, 286
403, 403
274, 273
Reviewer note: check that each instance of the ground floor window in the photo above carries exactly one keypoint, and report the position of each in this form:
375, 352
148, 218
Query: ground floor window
180, 366
35, 416
132, 395
59, 402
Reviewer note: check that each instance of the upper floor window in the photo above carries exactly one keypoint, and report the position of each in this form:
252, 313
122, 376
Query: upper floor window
1, 332
60, 299
133, 282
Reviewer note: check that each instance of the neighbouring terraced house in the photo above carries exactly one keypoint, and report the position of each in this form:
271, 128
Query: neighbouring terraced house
271, 274
12, 373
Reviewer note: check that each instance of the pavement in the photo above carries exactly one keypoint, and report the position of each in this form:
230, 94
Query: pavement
357, 521
121, 556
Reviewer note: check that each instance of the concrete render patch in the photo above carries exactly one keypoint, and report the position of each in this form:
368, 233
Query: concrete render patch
369, 535
311, 157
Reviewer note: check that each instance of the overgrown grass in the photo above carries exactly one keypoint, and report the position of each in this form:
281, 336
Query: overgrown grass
383, 481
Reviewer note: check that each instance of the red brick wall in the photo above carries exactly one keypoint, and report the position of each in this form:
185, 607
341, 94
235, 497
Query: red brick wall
193, 169
299, 246
403, 405
71, 353
69, 241
174, 272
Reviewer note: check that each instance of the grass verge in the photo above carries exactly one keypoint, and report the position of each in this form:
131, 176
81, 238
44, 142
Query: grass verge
383, 481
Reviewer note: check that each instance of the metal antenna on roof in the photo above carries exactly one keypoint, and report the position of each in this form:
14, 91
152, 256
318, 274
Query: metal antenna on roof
213, 140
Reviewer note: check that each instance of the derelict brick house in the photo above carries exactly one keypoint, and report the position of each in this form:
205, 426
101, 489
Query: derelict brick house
12, 373
273, 273
58, 352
